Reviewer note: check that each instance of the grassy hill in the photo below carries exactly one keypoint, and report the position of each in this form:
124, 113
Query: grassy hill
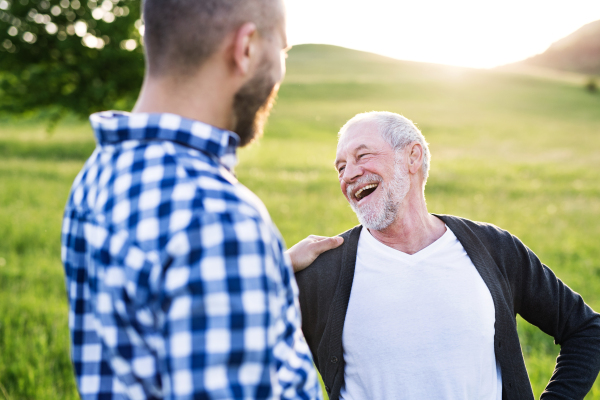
517, 151
578, 52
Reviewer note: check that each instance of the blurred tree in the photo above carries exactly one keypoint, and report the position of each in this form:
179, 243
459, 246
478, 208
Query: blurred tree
78, 56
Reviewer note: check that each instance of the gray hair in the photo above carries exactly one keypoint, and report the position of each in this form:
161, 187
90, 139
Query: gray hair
396, 130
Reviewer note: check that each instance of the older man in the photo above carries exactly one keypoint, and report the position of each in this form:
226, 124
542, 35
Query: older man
422, 306
178, 284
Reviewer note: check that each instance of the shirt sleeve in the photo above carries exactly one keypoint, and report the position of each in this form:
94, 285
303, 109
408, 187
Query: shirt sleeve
544, 300
230, 314
292, 352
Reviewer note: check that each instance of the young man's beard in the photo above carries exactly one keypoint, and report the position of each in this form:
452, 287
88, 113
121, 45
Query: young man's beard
252, 104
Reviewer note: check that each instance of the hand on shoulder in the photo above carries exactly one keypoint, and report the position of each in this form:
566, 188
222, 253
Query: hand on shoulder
307, 250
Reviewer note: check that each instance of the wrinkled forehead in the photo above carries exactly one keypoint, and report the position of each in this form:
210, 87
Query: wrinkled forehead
361, 132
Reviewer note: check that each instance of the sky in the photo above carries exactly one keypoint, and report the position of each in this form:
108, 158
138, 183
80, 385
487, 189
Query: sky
470, 33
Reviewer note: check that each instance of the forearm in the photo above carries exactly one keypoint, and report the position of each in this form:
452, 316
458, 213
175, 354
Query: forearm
577, 365
230, 316
544, 300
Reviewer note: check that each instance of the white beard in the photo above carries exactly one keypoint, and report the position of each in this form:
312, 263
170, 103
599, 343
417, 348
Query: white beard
380, 214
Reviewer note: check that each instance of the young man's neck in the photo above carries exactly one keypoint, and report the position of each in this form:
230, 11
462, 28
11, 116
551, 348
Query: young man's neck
199, 98
413, 229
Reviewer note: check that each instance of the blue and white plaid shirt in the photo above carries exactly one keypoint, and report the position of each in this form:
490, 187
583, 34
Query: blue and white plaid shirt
177, 282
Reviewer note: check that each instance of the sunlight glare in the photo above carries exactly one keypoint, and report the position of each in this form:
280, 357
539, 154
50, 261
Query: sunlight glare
462, 32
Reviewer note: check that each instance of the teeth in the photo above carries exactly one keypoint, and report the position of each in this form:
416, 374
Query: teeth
359, 193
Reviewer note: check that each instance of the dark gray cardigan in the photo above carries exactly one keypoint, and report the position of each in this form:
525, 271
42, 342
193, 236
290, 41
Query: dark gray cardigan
519, 284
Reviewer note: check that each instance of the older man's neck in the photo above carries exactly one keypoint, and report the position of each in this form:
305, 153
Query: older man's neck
413, 230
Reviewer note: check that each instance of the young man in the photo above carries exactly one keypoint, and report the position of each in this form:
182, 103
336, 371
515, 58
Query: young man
178, 284
420, 306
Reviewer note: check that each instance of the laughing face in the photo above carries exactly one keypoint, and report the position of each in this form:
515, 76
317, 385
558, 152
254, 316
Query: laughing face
372, 176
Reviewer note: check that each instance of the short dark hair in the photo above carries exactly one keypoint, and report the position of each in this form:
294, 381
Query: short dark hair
181, 34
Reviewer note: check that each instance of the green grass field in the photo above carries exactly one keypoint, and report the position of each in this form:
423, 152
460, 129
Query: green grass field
516, 151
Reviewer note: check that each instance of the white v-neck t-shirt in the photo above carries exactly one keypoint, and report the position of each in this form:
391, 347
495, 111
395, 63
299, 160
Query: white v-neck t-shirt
419, 326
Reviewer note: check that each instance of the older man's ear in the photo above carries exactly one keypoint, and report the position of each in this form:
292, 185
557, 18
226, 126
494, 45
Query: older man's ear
306, 251
415, 157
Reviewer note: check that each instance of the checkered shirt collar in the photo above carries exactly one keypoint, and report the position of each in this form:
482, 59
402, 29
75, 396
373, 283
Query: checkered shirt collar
112, 127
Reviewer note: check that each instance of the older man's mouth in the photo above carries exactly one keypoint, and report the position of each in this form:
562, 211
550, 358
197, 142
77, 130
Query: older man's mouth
365, 191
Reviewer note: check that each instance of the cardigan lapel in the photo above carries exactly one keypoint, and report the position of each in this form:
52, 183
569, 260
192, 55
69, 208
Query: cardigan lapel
481, 258
337, 314
506, 340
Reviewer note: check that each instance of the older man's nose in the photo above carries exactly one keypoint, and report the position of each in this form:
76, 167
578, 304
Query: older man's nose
351, 172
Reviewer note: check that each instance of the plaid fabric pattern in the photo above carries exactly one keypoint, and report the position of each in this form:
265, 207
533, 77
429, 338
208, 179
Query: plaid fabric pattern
177, 282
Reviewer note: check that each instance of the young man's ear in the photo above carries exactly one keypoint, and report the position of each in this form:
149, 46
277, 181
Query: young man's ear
244, 47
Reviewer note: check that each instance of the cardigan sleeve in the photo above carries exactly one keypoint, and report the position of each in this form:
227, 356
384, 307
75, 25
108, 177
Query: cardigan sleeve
545, 301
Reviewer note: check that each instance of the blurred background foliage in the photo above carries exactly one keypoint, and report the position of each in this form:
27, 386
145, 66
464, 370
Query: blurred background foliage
69, 56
